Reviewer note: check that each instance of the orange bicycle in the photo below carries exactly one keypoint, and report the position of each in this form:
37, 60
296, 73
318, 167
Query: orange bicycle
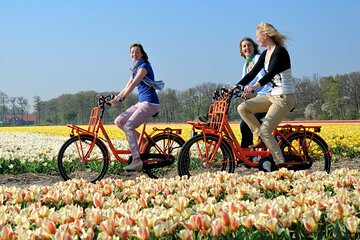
86, 154
215, 147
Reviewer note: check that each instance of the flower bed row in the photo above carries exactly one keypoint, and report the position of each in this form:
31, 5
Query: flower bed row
34, 149
278, 205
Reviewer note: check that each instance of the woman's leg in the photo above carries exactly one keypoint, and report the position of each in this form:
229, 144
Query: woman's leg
143, 112
246, 134
247, 108
279, 109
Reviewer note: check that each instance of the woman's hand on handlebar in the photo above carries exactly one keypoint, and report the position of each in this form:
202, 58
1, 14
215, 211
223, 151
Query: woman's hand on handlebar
117, 98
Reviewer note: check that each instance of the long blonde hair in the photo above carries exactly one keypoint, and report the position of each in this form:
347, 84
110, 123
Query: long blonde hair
272, 32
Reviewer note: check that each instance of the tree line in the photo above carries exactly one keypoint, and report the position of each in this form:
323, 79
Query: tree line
331, 97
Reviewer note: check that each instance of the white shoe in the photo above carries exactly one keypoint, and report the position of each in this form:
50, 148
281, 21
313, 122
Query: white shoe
135, 165
267, 166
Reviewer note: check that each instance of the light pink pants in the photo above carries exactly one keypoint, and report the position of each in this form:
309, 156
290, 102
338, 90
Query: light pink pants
131, 119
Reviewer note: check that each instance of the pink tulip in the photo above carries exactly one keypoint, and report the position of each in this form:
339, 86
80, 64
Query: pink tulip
63, 234
42, 234
309, 224
87, 234
77, 227
185, 234
216, 227
234, 223
108, 227
123, 232
7, 233
142, 233
260, 222
49, 226
299, 199
224, 217
79, 196
286, 220
159, 230
352, 223
271, 225
143, 221
141, 202
94, 217
98, 201
274, 212
247, 221
43, 211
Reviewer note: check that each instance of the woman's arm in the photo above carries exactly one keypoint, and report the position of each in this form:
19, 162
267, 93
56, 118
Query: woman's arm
254, 71
132, 83
279, 62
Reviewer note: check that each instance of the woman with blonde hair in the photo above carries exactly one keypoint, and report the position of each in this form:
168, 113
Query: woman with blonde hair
275, 60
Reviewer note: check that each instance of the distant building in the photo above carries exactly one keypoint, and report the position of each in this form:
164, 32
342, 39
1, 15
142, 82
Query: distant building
25, 119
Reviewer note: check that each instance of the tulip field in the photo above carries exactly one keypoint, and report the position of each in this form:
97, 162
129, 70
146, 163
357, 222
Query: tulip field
284, 204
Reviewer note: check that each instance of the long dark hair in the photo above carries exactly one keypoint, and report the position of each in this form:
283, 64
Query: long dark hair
145, 56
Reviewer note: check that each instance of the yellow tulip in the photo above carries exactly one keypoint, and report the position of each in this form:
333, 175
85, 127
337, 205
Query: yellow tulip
352, 223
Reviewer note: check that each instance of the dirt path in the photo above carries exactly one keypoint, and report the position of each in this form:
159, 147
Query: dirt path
28, 179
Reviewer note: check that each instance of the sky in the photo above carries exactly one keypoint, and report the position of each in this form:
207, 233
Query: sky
54, 47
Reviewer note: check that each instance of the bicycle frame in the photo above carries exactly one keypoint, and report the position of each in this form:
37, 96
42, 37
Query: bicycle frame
96, 126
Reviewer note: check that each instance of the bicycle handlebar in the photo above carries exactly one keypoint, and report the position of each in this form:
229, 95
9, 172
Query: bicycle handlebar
222, 93
105, 100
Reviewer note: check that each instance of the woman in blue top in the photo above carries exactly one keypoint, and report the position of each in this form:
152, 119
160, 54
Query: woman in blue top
147, 106
250, 51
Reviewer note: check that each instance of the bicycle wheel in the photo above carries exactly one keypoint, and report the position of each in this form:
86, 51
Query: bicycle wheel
71, 165
309, 146
166, 148
195, 154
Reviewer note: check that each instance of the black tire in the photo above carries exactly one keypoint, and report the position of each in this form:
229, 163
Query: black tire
311, 146
71, 166
170, 145
192, 157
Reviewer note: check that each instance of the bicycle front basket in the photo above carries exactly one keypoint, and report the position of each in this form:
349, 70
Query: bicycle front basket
217, 114
94, 118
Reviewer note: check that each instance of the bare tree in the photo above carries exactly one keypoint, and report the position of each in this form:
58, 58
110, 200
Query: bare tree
4, 99
37, 108
13, 108
351, 86
23, 106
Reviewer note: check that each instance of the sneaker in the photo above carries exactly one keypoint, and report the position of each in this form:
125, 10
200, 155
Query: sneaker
135, 165
267, 166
